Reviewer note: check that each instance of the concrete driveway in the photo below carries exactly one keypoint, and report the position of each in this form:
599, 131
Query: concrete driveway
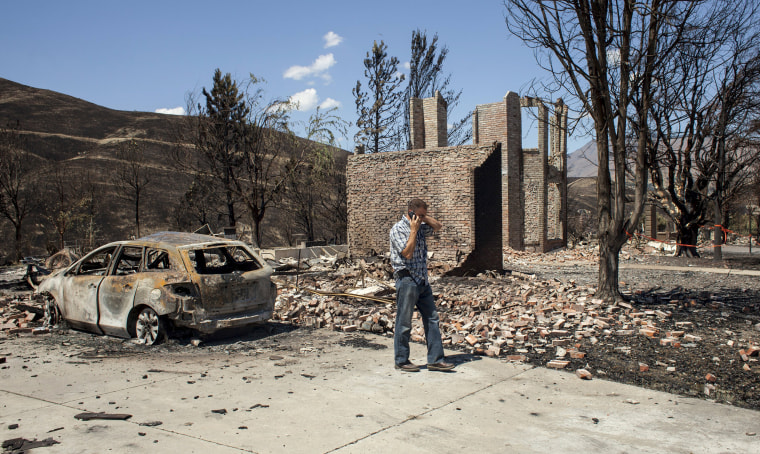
321, 391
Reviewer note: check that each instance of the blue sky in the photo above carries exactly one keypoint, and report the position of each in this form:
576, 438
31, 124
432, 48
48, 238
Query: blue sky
148, 55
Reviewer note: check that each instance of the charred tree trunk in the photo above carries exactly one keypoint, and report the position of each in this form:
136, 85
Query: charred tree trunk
17, 241
687, 241
608, 272
137, 213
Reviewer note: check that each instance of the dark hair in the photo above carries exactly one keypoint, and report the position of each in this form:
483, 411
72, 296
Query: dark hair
415, 204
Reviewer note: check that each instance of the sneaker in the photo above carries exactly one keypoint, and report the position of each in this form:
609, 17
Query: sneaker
408, 367
441, 366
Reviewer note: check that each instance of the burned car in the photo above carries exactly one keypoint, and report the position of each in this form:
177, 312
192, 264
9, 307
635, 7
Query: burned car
141, 288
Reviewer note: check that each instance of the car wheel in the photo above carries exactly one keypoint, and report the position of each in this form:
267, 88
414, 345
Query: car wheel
53, 317
149, 327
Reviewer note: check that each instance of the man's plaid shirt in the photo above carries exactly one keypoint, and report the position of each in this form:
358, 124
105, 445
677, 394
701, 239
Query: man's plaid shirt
417, 265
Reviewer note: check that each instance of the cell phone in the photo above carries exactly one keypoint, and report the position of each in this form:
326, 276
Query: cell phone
411, 214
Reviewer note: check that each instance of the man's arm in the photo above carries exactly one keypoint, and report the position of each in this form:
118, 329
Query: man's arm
432, 222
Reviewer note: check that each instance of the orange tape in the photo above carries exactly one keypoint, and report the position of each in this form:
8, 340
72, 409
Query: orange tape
725, 230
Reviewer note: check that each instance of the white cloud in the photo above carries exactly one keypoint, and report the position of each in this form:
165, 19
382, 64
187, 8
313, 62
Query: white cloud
172, 111
332, 39
317, 69
329, 103
304, 100
407, 65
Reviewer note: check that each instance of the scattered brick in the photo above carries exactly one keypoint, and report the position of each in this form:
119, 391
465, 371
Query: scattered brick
583, 374
557, 364
648, 332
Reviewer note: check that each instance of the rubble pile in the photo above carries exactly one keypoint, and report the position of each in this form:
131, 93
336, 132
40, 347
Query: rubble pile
21, 314
587, 254
514, 316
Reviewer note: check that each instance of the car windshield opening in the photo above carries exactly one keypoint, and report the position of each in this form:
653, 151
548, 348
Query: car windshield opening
223, 260
97, 262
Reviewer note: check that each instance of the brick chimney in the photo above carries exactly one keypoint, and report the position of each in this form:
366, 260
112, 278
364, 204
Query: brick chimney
416, 124
427, 122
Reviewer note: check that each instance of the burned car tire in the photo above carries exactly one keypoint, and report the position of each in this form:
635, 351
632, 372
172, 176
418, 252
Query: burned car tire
53, 316
149, 327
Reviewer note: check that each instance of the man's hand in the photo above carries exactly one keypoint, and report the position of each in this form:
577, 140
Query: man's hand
414, 225
415, 222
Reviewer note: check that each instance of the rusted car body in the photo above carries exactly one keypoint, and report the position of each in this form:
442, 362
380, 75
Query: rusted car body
134, 288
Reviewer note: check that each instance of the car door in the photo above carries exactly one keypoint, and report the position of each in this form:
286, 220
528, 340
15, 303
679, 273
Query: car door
79, 305
117, 291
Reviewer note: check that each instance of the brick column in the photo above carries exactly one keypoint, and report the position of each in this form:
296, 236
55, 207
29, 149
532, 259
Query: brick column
416, 124
650, 220
543, 152
563, 162
436, 130
475, 127
511, 178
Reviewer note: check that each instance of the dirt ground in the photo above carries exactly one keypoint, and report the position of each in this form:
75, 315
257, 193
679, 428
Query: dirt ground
721, 313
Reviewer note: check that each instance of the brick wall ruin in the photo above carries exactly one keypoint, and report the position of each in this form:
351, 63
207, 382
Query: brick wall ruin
490, 195
380, 185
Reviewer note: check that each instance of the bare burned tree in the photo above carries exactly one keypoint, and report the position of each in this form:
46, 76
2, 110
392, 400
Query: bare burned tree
603, 53
706, 98
132, 176
267, 144
334, 204
311, 169
17, 183
65, 200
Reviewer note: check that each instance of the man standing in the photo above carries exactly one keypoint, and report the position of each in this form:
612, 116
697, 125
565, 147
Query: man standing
409, 260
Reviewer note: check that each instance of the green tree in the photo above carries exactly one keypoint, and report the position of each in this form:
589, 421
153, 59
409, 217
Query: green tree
221, 125
377, 106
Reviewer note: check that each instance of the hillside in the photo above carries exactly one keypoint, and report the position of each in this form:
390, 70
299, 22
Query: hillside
583, 162
65, 132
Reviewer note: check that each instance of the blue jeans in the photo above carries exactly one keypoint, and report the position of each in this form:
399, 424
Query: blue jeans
408, 296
